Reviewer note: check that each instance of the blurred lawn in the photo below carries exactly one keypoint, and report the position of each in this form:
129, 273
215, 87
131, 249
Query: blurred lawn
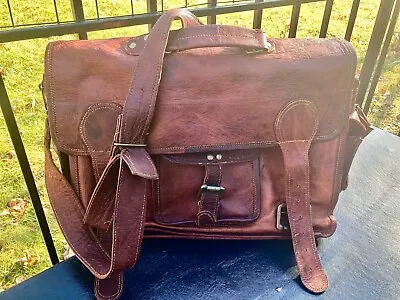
21, 64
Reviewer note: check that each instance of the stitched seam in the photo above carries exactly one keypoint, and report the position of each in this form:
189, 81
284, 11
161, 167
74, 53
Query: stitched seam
114, 232
74, 250
157, 81
336, 188
158, 193
215, 35
217, 204
236, 159
206, 176
158, 70
78, 205
93, 108
254, 189
139, 236
113, 295
78, 182
307, 200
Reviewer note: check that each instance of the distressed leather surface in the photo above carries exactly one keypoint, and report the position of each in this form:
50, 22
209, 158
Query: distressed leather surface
210, 113
249, 88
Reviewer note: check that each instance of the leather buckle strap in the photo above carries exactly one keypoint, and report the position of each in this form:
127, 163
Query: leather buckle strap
295, 128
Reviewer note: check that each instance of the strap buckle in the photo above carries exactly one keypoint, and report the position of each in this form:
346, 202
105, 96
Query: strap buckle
282, 215
211, 188
129, 145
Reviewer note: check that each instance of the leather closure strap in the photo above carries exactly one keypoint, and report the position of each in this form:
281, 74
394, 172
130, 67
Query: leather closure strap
210, 195
295, 128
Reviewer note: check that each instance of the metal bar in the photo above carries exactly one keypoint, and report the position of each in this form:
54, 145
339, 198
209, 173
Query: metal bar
382, 57
114, 22
294, 20
374, 46
97, 9
10, 13
326, 18
79, 15
132, 12
151, 8
56, 11
257, 18
352, 19
26, 170
212, 19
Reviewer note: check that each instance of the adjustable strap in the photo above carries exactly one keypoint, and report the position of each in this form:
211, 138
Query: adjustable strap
118, 202
295, 128
126, 226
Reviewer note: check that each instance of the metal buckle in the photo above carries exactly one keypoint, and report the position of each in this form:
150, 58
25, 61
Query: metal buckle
282, 209
211, 188
129, 145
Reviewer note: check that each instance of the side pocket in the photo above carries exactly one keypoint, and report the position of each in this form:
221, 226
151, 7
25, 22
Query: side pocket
359, 127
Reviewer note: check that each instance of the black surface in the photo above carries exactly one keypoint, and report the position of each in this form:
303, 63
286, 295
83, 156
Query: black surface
362, 259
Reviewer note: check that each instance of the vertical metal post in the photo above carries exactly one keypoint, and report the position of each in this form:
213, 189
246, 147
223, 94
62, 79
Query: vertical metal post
10, 13
374, 46
257, 18
382, 56
79, 15
213, 18
326, 18
352, 19
151, 8
294, 20
26, 170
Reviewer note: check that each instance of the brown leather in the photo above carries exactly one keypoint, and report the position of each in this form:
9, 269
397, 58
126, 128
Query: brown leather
207, 36
204, 141
295, 137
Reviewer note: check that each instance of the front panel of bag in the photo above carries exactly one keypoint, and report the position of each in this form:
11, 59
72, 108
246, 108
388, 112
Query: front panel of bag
239, 194
221, 172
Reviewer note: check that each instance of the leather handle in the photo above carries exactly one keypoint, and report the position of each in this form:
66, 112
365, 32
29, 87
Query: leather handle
207, 36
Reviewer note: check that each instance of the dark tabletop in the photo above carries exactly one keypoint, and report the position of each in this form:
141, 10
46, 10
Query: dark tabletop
362, 259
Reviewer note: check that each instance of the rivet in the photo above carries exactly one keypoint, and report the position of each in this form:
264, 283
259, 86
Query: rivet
210, 157
219, 156
132, 45
146, 37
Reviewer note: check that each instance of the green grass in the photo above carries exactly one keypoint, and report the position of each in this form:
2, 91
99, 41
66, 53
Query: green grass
22, 66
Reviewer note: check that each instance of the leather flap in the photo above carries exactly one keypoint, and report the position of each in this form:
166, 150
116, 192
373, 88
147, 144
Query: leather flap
209, 99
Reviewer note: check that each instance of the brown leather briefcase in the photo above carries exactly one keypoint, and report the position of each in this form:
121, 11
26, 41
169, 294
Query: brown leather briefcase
207, 132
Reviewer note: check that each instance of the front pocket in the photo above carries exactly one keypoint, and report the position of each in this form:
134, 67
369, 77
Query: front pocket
208, 188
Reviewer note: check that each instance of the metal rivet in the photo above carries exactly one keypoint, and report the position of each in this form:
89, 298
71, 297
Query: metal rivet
132, 45
146, 37
210, 157
219, 156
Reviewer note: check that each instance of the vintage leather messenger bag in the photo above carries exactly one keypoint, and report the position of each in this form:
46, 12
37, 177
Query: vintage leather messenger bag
207, 132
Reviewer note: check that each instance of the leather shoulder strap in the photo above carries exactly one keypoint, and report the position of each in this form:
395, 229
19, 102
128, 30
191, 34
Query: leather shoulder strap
295, 128
140, 103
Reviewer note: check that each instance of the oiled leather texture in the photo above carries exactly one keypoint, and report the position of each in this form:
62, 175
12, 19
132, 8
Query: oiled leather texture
181, 176
234, 129
210, 36
249, 88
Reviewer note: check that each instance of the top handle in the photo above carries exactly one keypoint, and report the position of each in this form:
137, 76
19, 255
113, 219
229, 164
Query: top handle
207, 36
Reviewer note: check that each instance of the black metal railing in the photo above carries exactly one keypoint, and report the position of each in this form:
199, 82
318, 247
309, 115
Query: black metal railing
379, 42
